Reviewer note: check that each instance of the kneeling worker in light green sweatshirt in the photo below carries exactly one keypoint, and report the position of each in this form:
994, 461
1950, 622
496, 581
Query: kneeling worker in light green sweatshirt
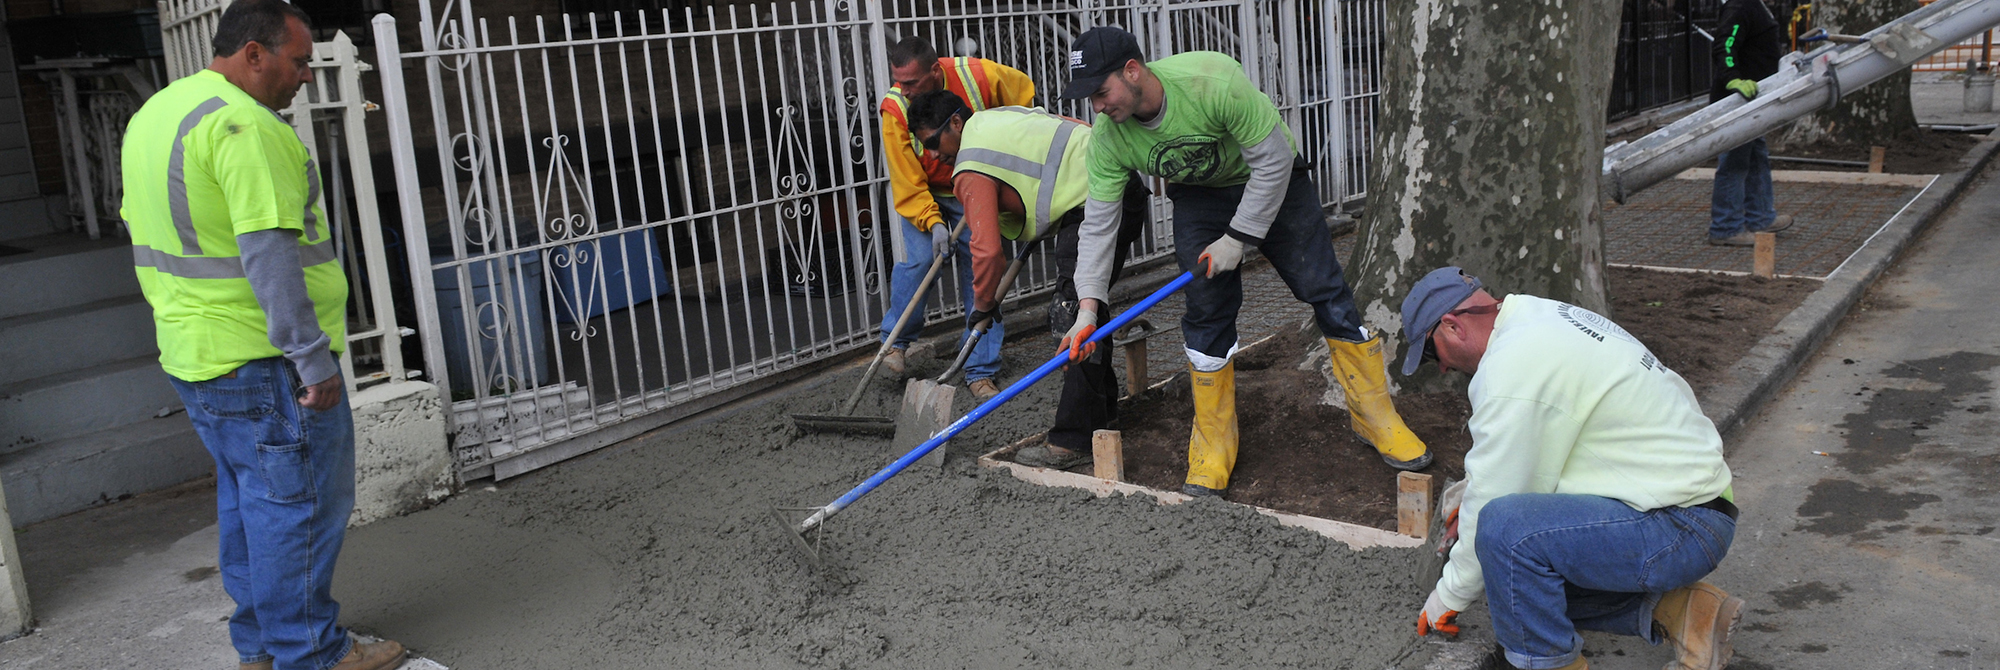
1596, 496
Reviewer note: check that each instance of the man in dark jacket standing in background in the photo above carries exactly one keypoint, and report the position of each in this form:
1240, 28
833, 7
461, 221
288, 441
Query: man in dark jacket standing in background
1746, 51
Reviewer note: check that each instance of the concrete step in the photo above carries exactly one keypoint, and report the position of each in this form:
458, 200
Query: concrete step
64, 271
83, 400
92, 334
48, 480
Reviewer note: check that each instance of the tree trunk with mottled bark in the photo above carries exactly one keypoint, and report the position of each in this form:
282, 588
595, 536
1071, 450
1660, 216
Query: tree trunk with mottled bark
1488, 144
1877, 113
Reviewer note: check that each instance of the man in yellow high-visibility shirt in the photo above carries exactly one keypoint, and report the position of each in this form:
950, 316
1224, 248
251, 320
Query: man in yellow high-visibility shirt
236, 257
921, 184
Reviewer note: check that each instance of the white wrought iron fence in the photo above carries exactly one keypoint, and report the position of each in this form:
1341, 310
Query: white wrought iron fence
185, 29
614, 221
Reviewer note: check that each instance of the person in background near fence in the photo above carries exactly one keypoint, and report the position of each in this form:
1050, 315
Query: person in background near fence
921, 184
1237, 182
1595, 493
1746, 50
234, 253
999, 155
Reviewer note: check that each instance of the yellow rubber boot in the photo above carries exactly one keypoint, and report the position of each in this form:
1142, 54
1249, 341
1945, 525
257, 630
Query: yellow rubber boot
1698, 620
1365, 378
1212, 446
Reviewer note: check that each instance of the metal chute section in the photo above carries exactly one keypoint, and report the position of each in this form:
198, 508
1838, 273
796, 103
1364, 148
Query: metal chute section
1805, 83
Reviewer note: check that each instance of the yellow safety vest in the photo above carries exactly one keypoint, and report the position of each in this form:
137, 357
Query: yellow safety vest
204, 162
1043, 157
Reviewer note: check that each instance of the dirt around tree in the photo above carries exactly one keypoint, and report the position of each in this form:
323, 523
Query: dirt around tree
1298, 455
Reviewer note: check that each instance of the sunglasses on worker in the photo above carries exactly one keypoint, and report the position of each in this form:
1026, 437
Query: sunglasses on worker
931, 142
1430, 339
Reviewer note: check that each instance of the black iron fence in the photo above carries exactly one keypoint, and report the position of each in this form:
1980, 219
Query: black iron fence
1663, 52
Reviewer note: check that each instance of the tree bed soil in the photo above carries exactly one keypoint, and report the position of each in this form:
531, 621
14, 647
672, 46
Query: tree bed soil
1299, 455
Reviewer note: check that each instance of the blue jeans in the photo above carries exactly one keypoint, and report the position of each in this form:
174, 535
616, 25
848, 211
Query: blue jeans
284, 486
1742, 200
984, 362
1556, 563
1298, 246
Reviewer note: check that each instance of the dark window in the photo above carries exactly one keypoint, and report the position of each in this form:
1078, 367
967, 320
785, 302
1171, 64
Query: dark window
351, 16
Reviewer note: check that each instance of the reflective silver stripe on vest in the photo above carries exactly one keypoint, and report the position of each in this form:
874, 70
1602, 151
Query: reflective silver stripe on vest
177, 193
1047, 197
186, 267
315, 254
1000, 160
220, 267
312, 196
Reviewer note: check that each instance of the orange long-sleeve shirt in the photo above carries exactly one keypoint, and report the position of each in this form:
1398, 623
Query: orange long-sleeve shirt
914, 173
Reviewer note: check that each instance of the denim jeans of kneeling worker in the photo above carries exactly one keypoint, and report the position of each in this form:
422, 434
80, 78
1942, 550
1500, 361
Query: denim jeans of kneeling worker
913, 261
284, 487
1558, 563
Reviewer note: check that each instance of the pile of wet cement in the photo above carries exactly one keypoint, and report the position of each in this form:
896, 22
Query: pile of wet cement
659, 554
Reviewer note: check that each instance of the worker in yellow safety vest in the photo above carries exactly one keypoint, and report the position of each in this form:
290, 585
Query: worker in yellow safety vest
1022, 174
234, 253
920, 182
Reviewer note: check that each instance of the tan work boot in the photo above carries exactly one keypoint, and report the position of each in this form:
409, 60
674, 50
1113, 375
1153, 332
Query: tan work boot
1365, 378
1580, 663
893, 365
1698, 619
983, 389
260, 665
383, 655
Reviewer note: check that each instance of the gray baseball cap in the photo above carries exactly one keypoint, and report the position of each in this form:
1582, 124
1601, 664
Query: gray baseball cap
1433, 296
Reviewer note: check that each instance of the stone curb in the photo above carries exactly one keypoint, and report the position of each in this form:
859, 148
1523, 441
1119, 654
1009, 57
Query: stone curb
1772, 363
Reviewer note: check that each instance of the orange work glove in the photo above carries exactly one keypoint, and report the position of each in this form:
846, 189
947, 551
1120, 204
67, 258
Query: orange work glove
1436, 617
1076, 341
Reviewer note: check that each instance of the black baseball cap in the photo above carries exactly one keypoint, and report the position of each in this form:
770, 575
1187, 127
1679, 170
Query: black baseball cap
1095, 55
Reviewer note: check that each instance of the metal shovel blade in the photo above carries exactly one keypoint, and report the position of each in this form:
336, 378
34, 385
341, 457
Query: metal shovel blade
878, 426
926, 410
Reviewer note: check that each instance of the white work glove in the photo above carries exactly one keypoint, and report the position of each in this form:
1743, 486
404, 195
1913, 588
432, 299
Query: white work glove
1222, 255
1079, 334
1436, 617
1448, 504
940, 240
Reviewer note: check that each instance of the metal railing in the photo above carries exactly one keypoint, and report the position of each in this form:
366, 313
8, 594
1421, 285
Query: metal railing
632, 217
185, 29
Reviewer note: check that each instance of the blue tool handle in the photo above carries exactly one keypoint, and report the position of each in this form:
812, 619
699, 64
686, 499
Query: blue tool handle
987, 407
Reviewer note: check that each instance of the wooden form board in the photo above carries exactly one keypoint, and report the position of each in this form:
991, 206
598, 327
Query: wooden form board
1824, 177
1355, 536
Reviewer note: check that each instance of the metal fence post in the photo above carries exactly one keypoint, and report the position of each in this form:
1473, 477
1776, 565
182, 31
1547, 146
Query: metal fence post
409, 199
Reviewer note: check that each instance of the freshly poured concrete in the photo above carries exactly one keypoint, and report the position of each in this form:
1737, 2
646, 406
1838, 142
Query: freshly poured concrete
658, 554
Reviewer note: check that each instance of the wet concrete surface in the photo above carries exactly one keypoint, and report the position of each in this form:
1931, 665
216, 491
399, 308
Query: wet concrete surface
1871, 485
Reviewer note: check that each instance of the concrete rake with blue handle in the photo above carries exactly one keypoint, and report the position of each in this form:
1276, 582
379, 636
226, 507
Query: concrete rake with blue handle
808, 533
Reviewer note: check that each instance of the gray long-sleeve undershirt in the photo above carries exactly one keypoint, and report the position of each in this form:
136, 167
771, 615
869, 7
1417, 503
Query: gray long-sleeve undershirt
1270, 164
278, 278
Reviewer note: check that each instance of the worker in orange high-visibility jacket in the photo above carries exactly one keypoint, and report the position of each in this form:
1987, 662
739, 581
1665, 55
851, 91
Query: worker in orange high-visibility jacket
920, 181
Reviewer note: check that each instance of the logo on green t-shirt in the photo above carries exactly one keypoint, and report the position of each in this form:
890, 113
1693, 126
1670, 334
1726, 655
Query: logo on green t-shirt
1188, 159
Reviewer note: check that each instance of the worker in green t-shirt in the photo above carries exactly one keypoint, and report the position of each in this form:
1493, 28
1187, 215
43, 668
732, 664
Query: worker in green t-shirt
1236, 181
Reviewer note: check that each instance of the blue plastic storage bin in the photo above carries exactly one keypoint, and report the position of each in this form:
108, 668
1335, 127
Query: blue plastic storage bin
523, 341
631, 255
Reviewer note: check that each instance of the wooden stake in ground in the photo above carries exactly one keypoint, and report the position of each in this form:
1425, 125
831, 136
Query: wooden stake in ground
1766, 264
1107, 449
1135, 367
1413, 504
1876, 155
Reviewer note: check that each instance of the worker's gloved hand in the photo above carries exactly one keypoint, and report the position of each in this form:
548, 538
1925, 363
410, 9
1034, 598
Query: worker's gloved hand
1079, 334
1222, 255
1744, 86
1436, 617
1448, 505
974, 316
940, 240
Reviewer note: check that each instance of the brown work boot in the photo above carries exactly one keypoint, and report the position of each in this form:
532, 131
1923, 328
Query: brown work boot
383, 655
260, 665
1698, 619
1580, 663
983, 389
893, 365
1742, 239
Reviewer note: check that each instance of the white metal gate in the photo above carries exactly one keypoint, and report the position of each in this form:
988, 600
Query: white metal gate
615, 221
